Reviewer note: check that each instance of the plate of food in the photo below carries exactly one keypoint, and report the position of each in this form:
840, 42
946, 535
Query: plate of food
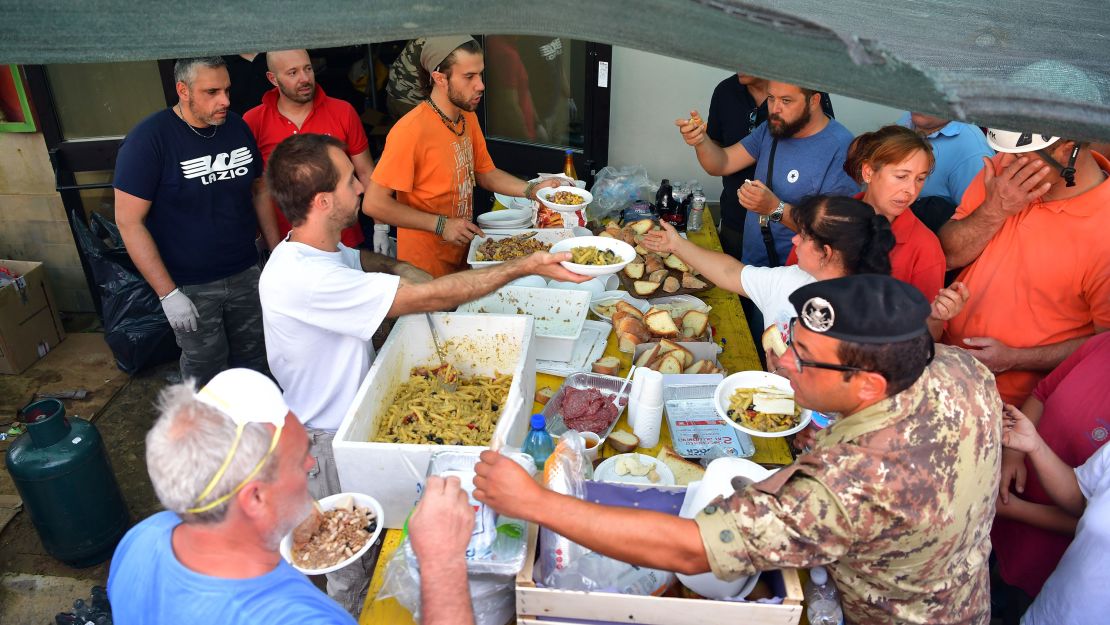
565, 199
595, 256
634, 468
338, 531
760, 404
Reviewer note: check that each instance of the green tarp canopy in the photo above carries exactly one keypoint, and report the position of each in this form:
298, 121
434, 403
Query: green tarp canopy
955, 58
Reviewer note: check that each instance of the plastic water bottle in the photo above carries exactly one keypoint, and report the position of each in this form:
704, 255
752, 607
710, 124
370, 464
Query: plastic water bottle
823, 599
539, 444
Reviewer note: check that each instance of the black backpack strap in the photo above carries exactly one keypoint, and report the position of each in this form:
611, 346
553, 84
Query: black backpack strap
765, 224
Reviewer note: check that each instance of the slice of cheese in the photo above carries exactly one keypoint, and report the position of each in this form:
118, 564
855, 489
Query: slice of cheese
768, 403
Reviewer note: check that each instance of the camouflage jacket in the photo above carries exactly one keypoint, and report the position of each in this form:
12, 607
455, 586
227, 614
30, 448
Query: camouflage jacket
896, 499
404, 75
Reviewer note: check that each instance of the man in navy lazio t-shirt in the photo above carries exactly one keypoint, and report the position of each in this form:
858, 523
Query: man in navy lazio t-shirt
184, 185
808, 160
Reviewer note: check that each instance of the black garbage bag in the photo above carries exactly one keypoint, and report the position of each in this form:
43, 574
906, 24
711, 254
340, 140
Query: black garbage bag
135, 327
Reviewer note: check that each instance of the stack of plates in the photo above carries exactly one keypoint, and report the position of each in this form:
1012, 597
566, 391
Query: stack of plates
509, 219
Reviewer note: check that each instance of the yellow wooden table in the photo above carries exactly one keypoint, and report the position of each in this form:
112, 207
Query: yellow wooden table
739, 354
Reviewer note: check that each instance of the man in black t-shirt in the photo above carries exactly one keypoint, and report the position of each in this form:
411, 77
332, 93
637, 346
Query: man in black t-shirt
737, 107
185, 185
248, 80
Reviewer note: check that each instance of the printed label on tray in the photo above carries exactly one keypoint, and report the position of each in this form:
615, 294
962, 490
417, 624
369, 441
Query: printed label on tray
694, 437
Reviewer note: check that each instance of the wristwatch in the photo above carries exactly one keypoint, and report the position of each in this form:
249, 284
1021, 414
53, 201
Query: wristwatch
776, 215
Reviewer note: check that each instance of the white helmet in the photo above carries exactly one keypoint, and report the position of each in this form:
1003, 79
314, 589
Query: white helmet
1018, 142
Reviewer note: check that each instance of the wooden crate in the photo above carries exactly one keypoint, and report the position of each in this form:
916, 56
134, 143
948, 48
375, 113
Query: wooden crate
552, 605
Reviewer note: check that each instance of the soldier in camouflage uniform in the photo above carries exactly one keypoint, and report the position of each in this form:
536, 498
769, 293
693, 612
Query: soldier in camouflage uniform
403, 90
897, 497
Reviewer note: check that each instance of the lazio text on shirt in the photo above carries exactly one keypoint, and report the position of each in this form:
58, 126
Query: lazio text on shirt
222, 166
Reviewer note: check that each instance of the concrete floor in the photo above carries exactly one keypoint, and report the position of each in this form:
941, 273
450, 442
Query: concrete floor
34, 587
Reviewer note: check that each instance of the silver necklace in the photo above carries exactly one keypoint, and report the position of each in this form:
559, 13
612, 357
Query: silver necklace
190, 126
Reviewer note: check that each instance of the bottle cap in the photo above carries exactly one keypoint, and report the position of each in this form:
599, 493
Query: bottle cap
569, 151
819, 575
539, 422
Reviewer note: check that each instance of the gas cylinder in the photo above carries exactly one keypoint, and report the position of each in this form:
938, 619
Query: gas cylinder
62, 472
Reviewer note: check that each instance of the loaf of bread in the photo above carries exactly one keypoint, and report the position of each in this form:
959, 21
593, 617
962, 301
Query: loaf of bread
684, 470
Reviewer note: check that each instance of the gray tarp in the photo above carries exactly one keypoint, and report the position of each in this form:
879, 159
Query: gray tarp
948, 57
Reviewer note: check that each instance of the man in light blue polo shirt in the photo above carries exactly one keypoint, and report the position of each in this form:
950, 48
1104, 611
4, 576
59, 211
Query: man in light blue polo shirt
959, 149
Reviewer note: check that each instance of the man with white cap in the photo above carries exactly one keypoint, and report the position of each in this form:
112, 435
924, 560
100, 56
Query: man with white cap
228, 462
1030, 235
322, 301
434, 156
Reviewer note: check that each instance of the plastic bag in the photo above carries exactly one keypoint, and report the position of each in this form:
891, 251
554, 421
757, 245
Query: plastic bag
569, 566
615, 188
493, 597
495, 554
135, 327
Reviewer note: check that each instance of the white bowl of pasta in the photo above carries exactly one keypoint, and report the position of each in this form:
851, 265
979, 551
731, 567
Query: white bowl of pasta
734, 401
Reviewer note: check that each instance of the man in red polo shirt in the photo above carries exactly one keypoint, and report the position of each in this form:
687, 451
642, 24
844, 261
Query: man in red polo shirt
298, 105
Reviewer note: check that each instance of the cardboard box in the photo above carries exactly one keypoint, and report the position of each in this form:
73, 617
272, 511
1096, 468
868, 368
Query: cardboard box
550, 606
29, 322
394, 473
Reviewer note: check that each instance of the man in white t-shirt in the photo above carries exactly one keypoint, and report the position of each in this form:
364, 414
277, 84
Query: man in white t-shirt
322, 301
1075, 593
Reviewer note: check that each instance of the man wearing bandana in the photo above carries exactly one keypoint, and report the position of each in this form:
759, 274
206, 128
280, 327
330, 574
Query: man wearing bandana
896, 498
434, 156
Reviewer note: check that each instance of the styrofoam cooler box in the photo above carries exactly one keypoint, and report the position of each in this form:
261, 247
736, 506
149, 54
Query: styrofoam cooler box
393, 473
558, 313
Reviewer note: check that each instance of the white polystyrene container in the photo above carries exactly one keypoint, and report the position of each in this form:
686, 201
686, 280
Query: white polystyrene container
393, 473
547, 235
558, 314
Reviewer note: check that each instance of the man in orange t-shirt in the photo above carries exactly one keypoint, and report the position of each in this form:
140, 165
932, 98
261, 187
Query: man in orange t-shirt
1030, 234
434, 156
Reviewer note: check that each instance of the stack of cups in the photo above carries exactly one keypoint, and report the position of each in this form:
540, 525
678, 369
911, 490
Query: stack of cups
645, 406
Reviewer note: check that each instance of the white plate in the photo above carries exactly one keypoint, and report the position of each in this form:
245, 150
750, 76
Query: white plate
505, 217
623, 250
589, 347
755, 379
608, 298
679, 303
607, 472
545, 194
513, 202
327, 503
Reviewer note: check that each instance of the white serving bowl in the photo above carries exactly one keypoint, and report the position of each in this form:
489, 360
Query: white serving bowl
544, 195
328, 503
620, 248
755, 379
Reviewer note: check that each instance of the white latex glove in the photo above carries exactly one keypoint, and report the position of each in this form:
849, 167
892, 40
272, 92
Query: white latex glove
180, 311
382, 243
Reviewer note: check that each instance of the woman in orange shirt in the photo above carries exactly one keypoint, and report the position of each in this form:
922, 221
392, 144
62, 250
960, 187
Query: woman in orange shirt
892, 164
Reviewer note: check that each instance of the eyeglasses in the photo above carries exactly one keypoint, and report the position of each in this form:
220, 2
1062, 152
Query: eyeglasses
212, 398
802, 363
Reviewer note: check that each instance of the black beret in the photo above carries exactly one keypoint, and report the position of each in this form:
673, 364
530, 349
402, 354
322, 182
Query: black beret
865, 308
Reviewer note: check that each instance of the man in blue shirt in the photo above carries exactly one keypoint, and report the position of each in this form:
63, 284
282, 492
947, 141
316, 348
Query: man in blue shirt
959, 149
184, 185
802, 149
229, 463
